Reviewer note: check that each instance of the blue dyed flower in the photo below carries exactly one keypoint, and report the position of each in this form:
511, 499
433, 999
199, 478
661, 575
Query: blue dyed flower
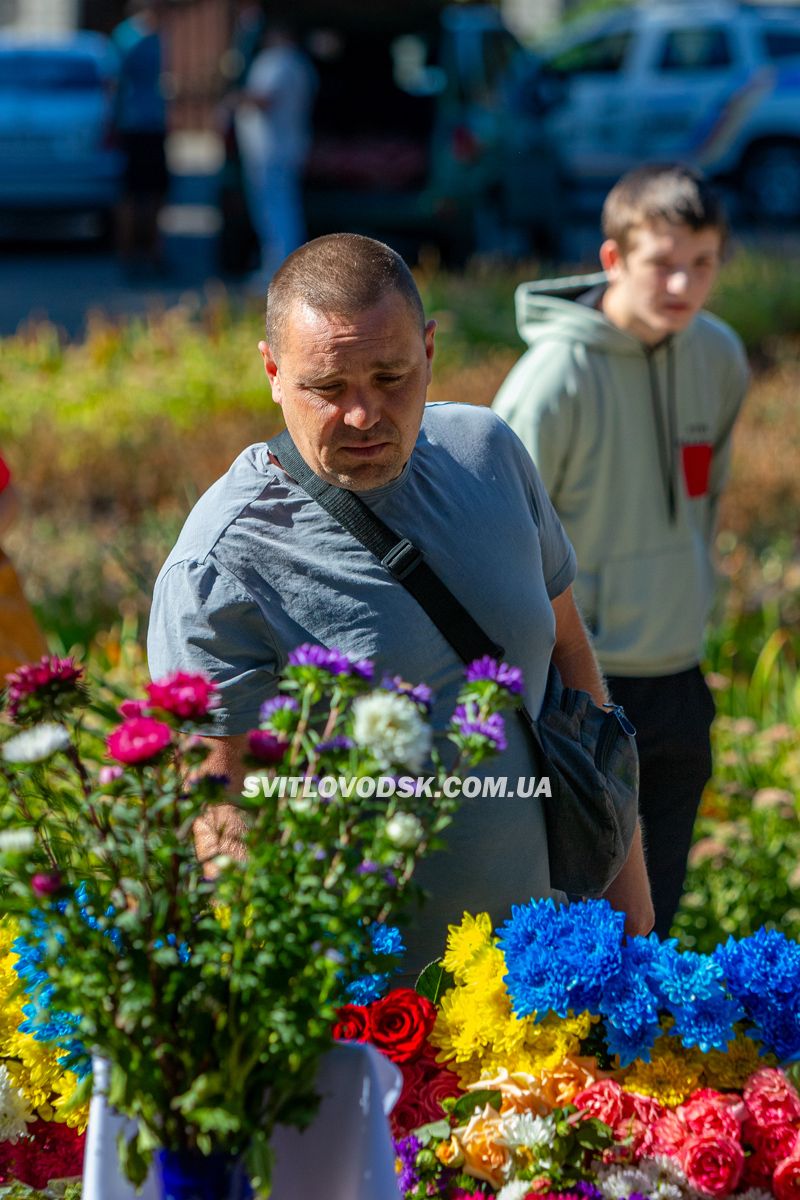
490, 670
386, 941
630, 1009
708, 1023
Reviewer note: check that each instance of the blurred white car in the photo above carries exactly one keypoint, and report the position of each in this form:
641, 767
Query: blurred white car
57, 149
712, 82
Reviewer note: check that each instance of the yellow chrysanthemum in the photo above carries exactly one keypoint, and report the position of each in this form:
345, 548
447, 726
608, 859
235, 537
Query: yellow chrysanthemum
733, 1068
457, 1032
464, 941
672, 1074
64, 1087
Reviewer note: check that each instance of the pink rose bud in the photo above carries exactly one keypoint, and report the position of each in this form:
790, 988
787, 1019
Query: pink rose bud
46, 883
132, 708
108, 775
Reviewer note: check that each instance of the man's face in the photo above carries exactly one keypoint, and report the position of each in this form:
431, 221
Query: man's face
353, 389
663, 280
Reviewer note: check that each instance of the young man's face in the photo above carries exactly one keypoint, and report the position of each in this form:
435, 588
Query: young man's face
353, 389
662, 280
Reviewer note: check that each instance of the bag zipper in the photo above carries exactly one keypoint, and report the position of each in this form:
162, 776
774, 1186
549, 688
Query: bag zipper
616, 720
569, 699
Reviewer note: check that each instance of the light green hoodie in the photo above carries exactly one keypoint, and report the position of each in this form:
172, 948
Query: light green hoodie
633, 445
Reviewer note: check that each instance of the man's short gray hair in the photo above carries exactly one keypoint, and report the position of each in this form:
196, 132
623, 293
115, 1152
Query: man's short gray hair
340, 274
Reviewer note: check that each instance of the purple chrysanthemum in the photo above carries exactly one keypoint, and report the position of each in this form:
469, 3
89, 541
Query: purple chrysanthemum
367, 867
332, 661
420, 693
492, 728
276, 704
502, 674
407, 1149
335, 744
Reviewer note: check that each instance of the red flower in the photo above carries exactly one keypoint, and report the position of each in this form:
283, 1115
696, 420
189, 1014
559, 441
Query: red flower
602, 1099
713, 1164
707, 1112
132, 708
353, 1023
46, 883
265, 746
48, 1151
771, 1145
401, 1023
786, 1180
183, 695
669, 1133
425, 1084
42, 689
139, 739
771, 1098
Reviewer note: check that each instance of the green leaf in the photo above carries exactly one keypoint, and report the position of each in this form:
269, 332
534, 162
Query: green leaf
434, 1130
465, 1106
434, 981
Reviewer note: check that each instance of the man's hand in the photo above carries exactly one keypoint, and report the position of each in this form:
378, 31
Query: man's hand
630, 891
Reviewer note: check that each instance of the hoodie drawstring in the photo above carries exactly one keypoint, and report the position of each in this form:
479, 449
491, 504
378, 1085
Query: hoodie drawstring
665, 436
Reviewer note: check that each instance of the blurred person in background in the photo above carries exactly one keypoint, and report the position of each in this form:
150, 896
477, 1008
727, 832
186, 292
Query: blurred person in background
273, 131
21, 639
141, 124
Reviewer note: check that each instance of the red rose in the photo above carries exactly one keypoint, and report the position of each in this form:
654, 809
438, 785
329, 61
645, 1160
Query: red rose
401, 1023
353, 1024
636, 1126
602, 1099
713, 1165
425, 1084
771, 1145
786, 1180
183, 695
707, 1112
771, 1098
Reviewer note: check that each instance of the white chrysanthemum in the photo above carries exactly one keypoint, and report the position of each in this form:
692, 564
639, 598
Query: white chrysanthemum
405, 831
516, 1190
37, 744
661, 1178
392, 728
526, 1129
17, 840
15, 1112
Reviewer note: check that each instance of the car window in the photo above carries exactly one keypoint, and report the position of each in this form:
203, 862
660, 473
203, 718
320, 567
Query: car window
36, 72
698, 48
601, 56
782, 43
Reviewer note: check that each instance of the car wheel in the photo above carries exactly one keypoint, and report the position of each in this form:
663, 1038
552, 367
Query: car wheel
771, 182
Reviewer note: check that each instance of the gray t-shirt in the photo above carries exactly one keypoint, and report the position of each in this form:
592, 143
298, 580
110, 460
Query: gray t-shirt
260, 568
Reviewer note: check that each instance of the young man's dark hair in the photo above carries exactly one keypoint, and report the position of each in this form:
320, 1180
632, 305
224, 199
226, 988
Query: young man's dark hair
670, 192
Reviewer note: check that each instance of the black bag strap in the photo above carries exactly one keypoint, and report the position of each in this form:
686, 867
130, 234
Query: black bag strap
397, 554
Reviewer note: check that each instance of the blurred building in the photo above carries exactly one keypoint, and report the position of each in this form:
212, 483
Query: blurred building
39, 16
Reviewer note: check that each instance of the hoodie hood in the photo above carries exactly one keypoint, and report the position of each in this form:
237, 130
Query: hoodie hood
548, 307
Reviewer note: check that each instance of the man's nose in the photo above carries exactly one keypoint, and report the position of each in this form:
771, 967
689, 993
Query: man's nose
678, 282
363, 409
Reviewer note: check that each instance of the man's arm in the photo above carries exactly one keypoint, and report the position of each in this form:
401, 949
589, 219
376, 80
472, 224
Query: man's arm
222, 827
578, 667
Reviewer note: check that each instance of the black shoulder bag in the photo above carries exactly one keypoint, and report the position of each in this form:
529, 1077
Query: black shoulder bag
587, 752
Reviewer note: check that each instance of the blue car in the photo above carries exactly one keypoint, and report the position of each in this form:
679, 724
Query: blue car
57, 150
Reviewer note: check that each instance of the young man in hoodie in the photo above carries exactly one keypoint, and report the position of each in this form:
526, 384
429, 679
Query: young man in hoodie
626, 400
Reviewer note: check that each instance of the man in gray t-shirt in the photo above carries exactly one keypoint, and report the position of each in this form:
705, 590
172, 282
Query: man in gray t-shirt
260, 568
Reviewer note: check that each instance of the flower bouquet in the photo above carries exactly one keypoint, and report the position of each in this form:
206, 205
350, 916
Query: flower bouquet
560, 1058
213, 999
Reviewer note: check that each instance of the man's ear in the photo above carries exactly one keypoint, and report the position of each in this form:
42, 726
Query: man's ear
430, 333
271, 369
611, 259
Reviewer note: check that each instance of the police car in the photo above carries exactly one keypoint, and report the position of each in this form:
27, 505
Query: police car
709, 82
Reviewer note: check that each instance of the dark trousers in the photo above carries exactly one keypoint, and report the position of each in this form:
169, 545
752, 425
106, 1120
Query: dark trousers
672, 715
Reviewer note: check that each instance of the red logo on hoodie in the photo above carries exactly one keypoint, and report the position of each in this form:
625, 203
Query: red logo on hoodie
696, 467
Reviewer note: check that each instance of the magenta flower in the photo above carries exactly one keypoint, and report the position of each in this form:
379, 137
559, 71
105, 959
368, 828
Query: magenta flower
190, 697
46, 883
138, 740
132, 708
45, 688
265, 746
